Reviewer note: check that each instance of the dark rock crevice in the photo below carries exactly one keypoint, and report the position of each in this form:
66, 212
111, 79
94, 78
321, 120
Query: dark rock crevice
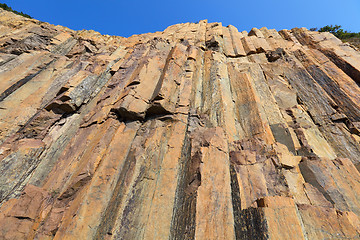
183, 220
22, 82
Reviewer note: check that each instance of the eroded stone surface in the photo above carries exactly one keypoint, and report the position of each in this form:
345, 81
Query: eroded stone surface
197, 132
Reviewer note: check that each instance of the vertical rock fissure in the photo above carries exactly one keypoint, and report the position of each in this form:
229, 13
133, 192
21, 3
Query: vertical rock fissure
337, 94
252, 225
140, 181
161, 79
22, 82
236, 201
183, 220
109, 218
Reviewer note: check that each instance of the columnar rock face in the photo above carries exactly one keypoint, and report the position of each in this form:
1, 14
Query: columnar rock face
197, 132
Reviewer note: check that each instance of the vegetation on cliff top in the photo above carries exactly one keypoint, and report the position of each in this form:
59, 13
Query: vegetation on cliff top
7, 8
337, 31
345, 36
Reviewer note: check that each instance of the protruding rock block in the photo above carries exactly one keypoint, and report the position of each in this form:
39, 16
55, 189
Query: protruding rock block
249, 46
256, 32
236, 37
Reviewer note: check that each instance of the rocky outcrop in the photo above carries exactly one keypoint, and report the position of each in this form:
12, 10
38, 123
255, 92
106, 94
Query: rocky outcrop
197, 132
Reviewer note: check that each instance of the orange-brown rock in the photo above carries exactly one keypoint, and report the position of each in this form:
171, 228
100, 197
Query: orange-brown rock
201, 131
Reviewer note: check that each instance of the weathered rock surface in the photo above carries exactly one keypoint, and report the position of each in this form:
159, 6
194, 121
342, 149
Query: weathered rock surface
197, 132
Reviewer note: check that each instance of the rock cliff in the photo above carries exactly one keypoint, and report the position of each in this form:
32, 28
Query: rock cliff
197, 132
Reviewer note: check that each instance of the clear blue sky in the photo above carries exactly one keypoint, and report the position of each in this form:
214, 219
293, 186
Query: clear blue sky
125, 18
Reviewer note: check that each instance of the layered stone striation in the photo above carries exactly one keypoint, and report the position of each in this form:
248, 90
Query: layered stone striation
197, 132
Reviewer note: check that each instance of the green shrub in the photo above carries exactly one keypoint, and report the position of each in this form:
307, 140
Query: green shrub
345, 36
7, 8
338, 32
